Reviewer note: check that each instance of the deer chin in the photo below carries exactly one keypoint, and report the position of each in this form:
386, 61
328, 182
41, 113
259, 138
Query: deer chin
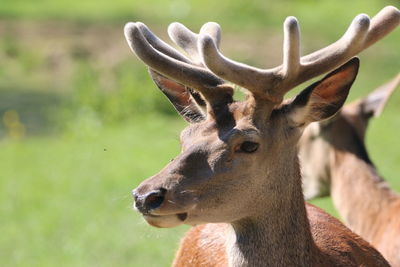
166, 221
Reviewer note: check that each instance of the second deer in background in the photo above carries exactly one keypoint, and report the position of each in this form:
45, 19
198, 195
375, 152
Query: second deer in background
334, 159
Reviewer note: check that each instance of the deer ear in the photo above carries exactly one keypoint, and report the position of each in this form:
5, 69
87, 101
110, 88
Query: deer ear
362, 110
186, 101
324, 98
374, 103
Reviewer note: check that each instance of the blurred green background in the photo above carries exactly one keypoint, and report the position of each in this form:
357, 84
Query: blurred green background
81, 123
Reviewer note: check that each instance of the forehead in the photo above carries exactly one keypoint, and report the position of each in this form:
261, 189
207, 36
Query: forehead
231, 120
209, 128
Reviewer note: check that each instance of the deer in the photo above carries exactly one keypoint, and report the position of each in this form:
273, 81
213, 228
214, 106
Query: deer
237, 179
335, 161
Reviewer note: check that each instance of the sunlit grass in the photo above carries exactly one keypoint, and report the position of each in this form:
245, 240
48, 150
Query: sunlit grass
232, 14
68, 199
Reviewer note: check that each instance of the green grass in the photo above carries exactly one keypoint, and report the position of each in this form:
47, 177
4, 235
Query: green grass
233, 14
67, 200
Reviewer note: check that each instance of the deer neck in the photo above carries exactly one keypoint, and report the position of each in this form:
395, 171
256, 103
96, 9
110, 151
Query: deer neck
358, 192
279, 235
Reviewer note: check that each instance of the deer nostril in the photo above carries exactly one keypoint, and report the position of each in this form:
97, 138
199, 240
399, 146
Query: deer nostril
154, 199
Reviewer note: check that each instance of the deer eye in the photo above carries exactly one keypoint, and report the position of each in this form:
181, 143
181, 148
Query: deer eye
248, 147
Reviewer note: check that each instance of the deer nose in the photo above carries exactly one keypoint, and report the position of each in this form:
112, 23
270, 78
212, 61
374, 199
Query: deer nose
150, 201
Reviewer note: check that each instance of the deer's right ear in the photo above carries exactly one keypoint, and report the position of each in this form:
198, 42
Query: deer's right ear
374, 103
186, 101
324, 98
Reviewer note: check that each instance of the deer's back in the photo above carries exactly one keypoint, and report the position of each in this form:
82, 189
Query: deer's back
387, 237
338, 244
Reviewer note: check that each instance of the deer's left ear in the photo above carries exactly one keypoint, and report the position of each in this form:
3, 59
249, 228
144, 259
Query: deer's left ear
324, 98
186, 101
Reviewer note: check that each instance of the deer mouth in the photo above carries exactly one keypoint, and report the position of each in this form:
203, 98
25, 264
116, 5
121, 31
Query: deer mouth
166, 221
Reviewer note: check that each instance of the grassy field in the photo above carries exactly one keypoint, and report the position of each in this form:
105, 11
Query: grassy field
81, 124
66, 200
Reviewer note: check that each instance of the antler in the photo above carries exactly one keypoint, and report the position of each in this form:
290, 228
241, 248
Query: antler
274, 83
167, 61
188, 40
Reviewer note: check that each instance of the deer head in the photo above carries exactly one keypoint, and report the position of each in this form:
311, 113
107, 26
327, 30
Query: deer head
345, 131
239, 158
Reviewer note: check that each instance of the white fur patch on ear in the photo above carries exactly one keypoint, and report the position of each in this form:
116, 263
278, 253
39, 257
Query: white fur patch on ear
315, 128
298, 115
313, 111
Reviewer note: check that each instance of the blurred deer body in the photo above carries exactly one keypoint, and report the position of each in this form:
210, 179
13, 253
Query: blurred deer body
238, 171
363, 199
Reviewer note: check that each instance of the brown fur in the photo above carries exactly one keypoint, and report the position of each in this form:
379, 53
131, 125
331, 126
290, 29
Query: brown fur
366, 203
205, 245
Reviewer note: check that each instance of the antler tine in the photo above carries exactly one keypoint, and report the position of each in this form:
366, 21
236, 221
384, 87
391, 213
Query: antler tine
213, 30
274, 83
160, 45
238, 73
182, 72
187, 39
383, 23
254, 79
291, 47
361, 34
335, 54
